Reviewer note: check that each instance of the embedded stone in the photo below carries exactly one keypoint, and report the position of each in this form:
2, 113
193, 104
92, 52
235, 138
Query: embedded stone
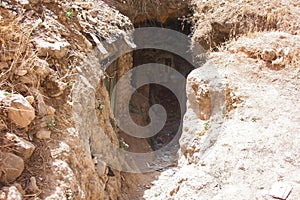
21, 72
23, 148
57, 49
43, 134
12, 167
20, 111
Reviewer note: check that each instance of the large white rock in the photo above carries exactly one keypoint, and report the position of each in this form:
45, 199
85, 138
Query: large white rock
56, 49
280, 190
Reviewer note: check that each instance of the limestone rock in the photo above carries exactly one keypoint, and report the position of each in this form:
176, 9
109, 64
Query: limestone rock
11, 167
32, 186
23, 148
23, 2
101, 167
56, 49
280, 190
14, 194
20, 111
55, 88
50, 110
2, 195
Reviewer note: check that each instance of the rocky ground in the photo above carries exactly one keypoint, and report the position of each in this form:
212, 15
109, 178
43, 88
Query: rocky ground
243, 153
240, 138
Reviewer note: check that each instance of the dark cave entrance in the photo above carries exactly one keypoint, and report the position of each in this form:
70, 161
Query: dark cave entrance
157, 94
150, 94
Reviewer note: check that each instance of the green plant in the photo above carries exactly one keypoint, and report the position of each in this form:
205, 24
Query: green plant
51, 124
70, 14
71, 83
206, 125
7, 94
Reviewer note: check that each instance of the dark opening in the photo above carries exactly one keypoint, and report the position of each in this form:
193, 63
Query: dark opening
158, 94
147, 95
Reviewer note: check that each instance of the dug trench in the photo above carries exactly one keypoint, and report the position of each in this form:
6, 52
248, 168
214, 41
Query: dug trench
134, 184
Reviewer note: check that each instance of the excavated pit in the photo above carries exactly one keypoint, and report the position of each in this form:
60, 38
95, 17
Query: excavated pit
158, 94
150, 94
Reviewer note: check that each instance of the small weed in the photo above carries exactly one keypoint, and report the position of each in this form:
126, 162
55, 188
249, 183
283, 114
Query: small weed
207, 125
7, 94
114, 124
71, 83
70, 14
71, 67
51, 124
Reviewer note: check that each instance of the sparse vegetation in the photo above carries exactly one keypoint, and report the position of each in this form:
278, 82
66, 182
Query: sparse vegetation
51, 125
207, 125
70, 14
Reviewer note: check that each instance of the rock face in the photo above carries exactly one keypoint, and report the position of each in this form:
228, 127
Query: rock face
43, 55
19, 110
11, 167
203, 98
